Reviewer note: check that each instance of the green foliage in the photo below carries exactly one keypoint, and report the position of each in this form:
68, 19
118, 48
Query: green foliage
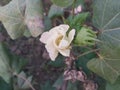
58, 83
47, 23
83, 60
63, 3
55, 11
85, 37
72, 86
5, 71
106, 19
115, 86
24, 18
4, 85
101, 83
9, 63
22, 84
78, 21
47, 86
20, 15
79, 2
59, 62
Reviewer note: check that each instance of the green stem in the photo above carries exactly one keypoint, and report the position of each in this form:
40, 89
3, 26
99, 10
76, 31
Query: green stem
19, 76
94, 50
73, 6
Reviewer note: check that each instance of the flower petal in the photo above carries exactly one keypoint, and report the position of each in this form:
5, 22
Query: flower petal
63, 44
53, 53
63, 29
71, 35
65, 52
44, 37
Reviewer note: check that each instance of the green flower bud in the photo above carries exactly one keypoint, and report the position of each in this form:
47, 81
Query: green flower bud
85, 37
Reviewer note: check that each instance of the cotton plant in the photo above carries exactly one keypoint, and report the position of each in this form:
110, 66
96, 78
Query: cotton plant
86, 40
59, 39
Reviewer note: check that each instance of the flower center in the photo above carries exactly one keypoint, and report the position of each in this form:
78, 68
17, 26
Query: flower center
58, 40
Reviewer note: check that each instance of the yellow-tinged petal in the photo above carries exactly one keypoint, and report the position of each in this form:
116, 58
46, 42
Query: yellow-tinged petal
53, 53
65, 52
71, 35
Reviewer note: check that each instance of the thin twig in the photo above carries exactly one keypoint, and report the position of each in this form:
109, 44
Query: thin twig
94, 50
25, 80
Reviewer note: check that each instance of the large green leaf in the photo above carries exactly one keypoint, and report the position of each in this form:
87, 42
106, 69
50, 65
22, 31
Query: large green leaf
115, 86
9, 63
77, 21
82, 61
5, 71
16, 17
72, 86
4, 85
34, 16
107, 19
59, 62
55, 11
47, 86
63, 3
59, 82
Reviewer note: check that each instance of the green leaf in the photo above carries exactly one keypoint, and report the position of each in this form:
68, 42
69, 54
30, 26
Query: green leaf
47, 23
59, 82
77, 21
63, 3
115, 86
106, 19
11, 16
26, 84
82, 62
71, 86
55, 11
17, 63
9, 64
59, 62
5, 70
108, 69
20, 81
80, 19
17, 18
34, 17
100, 82
4, 85
79, 2
47, 86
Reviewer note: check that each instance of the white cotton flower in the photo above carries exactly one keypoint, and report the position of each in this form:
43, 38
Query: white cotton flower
57, 41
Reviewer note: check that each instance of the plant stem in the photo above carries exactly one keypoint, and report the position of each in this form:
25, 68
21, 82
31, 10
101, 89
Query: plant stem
25, 80
73, 6
94, 50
